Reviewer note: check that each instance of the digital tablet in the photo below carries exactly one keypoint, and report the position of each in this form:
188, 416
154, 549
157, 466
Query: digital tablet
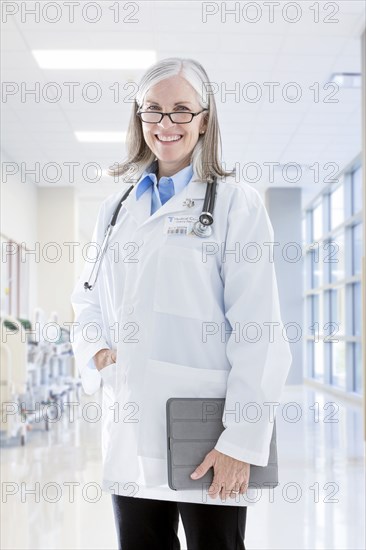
194, 425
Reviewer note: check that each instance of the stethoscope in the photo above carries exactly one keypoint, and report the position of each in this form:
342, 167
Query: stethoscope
201, 228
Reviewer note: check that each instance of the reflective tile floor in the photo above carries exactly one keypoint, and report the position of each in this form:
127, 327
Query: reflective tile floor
51, 500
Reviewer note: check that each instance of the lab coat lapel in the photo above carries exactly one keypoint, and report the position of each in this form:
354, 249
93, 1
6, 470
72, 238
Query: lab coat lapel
140, 208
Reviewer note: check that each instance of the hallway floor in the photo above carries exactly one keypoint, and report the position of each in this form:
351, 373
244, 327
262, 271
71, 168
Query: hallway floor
50, 497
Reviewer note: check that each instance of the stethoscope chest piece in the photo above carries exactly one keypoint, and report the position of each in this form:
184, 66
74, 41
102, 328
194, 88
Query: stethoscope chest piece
201, 230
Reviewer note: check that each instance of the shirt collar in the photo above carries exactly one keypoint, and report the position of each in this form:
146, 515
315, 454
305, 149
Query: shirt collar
148, 179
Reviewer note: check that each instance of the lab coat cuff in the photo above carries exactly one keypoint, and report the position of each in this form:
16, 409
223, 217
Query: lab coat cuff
90, 376
241, 453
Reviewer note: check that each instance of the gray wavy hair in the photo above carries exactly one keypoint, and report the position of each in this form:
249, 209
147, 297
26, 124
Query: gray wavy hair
206, 156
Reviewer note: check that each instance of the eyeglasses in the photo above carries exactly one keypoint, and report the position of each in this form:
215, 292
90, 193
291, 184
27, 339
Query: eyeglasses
178, 117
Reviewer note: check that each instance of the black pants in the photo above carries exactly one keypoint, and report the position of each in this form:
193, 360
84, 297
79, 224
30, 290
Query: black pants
147, 524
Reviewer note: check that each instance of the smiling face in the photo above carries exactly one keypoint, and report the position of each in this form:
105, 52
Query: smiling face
169, 95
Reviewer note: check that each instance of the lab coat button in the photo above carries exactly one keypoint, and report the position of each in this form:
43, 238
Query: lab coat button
129, 309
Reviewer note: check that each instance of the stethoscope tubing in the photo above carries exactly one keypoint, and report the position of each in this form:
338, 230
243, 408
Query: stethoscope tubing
112, 223
200, 227
206, 216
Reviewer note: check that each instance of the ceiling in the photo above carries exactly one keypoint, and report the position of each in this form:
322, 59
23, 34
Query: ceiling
233, 53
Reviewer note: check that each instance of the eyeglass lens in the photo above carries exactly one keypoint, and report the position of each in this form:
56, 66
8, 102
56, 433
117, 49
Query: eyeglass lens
179, 117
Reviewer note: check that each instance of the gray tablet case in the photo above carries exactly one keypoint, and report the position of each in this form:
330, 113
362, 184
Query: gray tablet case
194, 425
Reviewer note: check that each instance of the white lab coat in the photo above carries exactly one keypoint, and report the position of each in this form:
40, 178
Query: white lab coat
162, 306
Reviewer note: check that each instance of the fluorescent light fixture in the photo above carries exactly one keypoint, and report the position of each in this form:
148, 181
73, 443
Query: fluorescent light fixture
94, 59
347, 80
101, 137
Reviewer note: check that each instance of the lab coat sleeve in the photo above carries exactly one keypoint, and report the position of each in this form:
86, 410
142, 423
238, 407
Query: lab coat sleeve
88, 322
259, 362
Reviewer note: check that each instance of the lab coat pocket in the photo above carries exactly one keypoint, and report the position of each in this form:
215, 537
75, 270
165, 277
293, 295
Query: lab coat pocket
113, 379
163, 380
109, 380
106, 372
183, 285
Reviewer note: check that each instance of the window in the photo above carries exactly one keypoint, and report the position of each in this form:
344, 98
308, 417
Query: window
335, 257
357, 313
315, 315
317, 222
336, 207
319, 360
310, 315
307, 227
338, 362
333, 312
337, 313
357, 358
317, 268
356, 248
310, 358
356, 190
316, 311
314, 269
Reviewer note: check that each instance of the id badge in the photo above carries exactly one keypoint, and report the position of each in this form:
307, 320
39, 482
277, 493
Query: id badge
179, 225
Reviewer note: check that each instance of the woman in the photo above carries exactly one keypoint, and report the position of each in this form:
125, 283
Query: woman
168, 318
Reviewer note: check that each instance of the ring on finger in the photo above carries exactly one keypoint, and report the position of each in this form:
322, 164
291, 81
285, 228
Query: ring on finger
236, 490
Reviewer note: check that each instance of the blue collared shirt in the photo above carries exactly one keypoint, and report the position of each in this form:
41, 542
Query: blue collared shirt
149, 181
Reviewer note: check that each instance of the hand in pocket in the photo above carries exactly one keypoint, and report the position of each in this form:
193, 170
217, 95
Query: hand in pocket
105, 357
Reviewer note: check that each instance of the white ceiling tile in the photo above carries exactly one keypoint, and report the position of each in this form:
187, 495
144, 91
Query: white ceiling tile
59, 40
244, 62
322, 130
268, 128
352, 47
320, 117
344, 23
226, 77
276, 118
85, 17
9, 21
231, 53
13, 128
11, 40
342, 155
312, 45
18, 60
25, 152
177, 42
26, 76
353, 6
305, 63
347, 64
250, 44
8, 115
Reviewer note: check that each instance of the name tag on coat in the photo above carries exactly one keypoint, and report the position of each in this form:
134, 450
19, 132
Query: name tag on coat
179, 225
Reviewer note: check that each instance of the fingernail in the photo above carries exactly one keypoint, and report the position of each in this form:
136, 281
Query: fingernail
194, 475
